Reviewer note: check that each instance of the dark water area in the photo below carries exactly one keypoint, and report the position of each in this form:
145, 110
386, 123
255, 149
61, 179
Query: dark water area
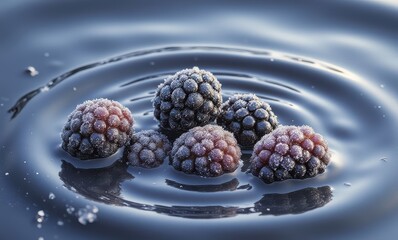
328, 64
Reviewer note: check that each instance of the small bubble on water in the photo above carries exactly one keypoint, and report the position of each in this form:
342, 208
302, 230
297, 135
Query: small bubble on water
268, 209
45, 89
7, 173
347, 184
51, 196
40, 238
70, 209
87, 214
40, 216
74, 89
39, 225
60, 223
32, 71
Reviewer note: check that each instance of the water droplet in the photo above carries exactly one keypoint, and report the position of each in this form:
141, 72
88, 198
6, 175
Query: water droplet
32, 71
40, 238
46, 54
347, 184
51, 196
268, 209
60, 223
6, 173
74, 89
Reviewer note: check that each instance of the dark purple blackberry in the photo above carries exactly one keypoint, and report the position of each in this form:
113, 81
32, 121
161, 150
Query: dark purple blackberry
97, 129
189, 98
289, 152
207, 151
147, 149
247, 117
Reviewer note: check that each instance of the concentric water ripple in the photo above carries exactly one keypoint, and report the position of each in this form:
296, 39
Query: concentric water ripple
342, 106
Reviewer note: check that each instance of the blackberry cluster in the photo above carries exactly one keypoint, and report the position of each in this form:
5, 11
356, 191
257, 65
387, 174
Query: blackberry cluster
289, 152
147, 149
206, 151
189, 98
97, 129
247, 117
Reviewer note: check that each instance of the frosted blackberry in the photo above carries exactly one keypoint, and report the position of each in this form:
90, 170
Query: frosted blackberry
289, 152
207, 151
147, 149
189, 98
97, 129
247, 117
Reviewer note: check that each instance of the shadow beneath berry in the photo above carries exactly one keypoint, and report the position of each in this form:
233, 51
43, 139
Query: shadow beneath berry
231, 185
293, 202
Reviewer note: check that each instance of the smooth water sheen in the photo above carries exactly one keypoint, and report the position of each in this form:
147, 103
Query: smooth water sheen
330, 65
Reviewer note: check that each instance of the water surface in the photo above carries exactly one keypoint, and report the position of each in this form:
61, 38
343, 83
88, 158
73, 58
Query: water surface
331, 66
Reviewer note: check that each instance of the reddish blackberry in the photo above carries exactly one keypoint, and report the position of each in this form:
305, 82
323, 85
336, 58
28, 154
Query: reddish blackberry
97, 129
207, 151
147, 149
189, 98
289, 152
247, 117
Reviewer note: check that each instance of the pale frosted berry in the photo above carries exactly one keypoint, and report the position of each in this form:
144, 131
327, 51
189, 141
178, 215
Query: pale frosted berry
289, 152
97, 129
207, 151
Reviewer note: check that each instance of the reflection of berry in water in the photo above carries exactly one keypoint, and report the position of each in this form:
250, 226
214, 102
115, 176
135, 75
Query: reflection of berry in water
206, 151
147, 149
97, 129
294, 202
189, 98
96, 183
248, 117
289, 152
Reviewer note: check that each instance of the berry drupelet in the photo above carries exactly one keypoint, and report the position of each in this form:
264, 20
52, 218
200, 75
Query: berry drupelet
247, 117
289, 152
208, 151
147, 149
189, 98
97, 129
